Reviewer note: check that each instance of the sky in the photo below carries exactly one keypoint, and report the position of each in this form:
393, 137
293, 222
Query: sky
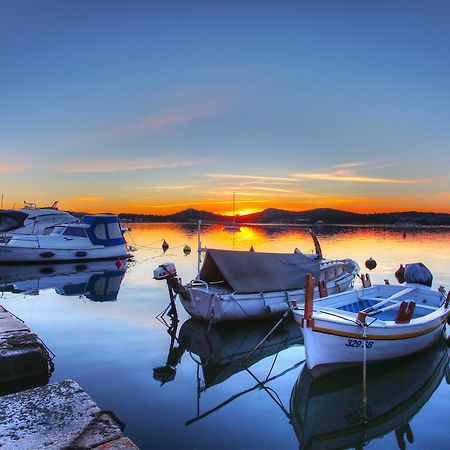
158, 106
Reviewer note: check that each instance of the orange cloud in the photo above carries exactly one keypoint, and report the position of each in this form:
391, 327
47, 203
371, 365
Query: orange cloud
7, 168
86, 199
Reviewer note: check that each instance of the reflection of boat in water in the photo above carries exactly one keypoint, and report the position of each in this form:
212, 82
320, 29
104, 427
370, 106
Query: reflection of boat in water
95, 280
330, 412
223, 349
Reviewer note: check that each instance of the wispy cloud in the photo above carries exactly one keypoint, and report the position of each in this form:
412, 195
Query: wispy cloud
167, 187
259, 188
126, 164
250, 177
92, 199
156, 123
202, 203
8, 168
335, 176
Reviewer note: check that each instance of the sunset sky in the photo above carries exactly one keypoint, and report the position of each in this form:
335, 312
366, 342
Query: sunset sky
159, 106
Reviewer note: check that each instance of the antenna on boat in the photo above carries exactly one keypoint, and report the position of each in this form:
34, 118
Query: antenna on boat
318, 250
199, 248
1, 207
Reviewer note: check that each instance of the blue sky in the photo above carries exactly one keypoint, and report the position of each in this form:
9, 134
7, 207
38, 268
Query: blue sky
159, 106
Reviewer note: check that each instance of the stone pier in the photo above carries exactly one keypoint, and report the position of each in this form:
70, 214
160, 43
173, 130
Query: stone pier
24, 360
58, 416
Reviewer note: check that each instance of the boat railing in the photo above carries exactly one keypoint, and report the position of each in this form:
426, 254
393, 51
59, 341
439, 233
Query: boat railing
198, 283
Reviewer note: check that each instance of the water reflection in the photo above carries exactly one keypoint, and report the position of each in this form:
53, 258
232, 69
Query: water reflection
224, 350
98, 281
331, 412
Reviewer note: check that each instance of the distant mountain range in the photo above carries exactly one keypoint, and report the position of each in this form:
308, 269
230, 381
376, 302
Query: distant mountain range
313, 216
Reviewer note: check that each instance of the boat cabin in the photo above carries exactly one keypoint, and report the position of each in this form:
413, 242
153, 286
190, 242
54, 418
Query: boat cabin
100, 229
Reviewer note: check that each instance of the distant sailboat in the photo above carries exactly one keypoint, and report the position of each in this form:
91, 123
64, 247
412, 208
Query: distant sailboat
234, 226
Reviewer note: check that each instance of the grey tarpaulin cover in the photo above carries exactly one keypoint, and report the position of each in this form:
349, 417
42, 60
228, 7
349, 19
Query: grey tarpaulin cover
247, 272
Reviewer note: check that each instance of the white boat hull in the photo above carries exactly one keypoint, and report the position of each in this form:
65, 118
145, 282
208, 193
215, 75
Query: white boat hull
334, 338
202, 303
17, 255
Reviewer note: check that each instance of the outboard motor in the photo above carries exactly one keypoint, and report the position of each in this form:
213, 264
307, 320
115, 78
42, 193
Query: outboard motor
418, 273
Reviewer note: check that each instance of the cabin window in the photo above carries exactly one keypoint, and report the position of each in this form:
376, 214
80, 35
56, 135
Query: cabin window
114, 231
59, 230
75, 231
100, 231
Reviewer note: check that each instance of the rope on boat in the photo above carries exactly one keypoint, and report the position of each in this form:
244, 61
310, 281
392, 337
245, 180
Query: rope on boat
235, 396
266, 337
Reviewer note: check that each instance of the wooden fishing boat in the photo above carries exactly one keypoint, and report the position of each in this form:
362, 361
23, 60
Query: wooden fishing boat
370, 324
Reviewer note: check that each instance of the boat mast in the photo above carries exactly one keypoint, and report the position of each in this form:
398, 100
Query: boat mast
234, 207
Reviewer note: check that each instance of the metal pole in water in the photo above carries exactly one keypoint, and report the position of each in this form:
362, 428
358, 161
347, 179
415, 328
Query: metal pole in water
199, 248
364, 412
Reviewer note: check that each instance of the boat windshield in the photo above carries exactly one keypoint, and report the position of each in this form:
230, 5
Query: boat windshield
75, 231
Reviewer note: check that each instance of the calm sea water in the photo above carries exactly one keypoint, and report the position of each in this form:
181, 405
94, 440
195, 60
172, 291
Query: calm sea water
178, 386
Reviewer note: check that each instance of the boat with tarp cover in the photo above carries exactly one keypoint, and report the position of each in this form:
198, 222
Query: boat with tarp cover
240, 285
94, 237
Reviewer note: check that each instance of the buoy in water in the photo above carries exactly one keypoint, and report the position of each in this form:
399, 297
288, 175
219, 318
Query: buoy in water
118, 263
251, 249
404, 235
371, 264
165, 246
186, 250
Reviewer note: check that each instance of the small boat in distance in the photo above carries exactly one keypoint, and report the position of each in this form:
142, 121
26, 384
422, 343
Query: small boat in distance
234, 227
94, 237
374, 323
32, 220
244, 285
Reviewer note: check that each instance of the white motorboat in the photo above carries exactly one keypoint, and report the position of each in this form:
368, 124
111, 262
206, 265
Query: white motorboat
94, 237
375, 323
243, 285
32, 220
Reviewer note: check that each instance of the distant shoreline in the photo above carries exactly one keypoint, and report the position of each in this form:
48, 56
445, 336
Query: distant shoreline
294, 225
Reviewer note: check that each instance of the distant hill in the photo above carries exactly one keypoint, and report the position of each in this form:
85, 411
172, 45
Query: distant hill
313, 216
188, 215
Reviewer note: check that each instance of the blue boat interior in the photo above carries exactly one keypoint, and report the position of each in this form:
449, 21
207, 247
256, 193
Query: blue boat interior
391, 314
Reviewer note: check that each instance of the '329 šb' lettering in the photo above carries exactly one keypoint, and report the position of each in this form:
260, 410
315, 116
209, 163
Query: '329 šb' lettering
358, 343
